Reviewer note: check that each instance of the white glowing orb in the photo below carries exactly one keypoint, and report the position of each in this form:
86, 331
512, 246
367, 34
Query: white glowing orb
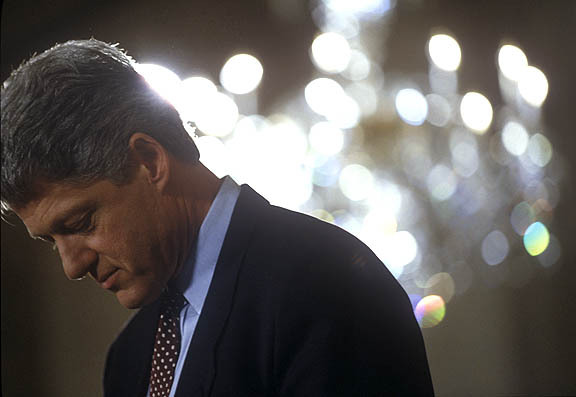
512, 61
533, 86
218, 116
356, 182
330, 52
377, 222
441, 182
286, 142
515, 138
321, 94
444, 52
213, 155
327, 98
326, 138
195, 91
162, 80
396, 250
241, 74
476, 112
411, 106
465, 159
540, 150
358, 66
495, 248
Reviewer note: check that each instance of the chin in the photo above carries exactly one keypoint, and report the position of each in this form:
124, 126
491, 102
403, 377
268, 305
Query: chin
135, 299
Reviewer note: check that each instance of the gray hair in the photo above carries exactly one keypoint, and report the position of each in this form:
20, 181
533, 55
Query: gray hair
68, 114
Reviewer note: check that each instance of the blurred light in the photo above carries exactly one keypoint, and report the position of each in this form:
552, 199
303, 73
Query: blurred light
371, 8
322, 215
512, 62
465, 159
521, 217
287, 143
213, 155
326, 171
476, 112
495, 248
439, 110
195, 91
241, 74
539, 150
444, 52
379, 221
534, 191
386, 195
325, 138
321, 95
552, 253
411, 106
441, 284
515, 138
164, 81
396, 250
536, 238
327, 98
365, 96
331, 52
219, 115
358, 66
441, 182
533, 86
356, 182
430, 311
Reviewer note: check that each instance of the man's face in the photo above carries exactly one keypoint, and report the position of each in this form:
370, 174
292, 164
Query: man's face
116, 234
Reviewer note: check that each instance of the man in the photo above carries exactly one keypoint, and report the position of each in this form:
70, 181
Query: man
237, 297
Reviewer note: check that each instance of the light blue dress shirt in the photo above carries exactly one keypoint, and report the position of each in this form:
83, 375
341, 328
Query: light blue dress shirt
196, 275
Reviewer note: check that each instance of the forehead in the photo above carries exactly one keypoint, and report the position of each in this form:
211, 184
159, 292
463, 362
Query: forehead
58, 200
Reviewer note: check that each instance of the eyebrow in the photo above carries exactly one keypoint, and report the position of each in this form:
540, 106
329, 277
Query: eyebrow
58, 224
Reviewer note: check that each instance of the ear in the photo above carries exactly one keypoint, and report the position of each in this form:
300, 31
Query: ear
148, 153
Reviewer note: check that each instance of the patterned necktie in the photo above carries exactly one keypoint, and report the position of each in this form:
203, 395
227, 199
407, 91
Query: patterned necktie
167, 345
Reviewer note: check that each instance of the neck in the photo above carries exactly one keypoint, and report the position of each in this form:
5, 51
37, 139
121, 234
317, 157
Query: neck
194, 189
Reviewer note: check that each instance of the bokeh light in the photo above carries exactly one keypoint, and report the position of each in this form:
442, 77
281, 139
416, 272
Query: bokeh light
330, 52
533, 86
495, 248
358, 66
521, 217
439, 110
195, 93
539, 150
536, 238
430, 311
515, 138
356, 182
476, 112
241, 74
441, 284
396, 250
411, 106
322, 94
512, 62
213, 155
441, 182
219, 115
444, 52
326, 138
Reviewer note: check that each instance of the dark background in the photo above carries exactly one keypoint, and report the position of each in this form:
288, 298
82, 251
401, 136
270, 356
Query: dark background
494, 341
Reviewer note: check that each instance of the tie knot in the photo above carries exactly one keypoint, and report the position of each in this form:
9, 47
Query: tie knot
172, 302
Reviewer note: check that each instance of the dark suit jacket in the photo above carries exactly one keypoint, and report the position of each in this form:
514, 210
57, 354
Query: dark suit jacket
297, 307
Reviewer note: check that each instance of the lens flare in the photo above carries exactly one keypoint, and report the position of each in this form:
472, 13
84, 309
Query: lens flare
430, 311
536, 238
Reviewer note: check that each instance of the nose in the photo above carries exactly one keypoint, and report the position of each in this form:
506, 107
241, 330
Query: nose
77, 257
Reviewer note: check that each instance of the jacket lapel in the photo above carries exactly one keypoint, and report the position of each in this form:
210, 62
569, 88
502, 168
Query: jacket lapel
199, 368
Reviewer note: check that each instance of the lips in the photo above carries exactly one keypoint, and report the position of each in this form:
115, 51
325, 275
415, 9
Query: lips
106, 280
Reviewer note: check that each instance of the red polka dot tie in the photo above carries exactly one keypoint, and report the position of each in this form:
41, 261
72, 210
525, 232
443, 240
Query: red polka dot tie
167, 345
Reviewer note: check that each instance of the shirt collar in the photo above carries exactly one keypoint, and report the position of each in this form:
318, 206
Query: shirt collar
196, 275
